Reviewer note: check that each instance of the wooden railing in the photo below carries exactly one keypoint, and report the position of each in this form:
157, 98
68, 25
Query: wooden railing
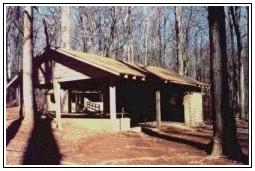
93, 107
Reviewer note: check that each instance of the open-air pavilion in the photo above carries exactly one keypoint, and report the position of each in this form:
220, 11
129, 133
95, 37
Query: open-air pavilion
118, 94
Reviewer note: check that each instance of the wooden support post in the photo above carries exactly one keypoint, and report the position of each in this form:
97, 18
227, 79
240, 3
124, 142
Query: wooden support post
69, 101
64, 100
57, 94
158, 109
112, 96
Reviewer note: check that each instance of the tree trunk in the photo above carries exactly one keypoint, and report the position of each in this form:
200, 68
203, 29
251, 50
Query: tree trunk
164, 42
80, 31
89, 42
28, 92
146, 35
201, 57
233, 101
45, 27
248, 15
57, 96
180, 64
8, 49
236, 13
216, 79
159, 45
130, 38
65, 27
224, 135
65, 43
113, 20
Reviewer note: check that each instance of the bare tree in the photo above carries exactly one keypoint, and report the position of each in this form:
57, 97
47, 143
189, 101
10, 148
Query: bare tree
234, 98
180, 66
130, 37
113, 21
8, 44
224, 133
65, 27
28, 91
65, 43
14, 40
146, 35
236, 15
44, 26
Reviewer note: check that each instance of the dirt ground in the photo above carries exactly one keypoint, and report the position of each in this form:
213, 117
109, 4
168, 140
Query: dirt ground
40, 144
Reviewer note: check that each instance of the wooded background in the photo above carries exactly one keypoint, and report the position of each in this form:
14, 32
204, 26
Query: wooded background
175, 38
210, 44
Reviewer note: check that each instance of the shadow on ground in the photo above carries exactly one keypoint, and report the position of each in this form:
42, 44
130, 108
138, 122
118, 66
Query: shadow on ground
201, 146
12, 130
42, 148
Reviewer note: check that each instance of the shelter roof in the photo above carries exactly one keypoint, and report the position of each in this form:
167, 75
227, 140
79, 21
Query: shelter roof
125, 69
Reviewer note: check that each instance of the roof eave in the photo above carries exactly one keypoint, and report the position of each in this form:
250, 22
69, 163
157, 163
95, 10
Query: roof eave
87, 62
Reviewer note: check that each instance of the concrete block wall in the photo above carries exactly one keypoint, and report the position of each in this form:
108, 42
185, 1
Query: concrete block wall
193, 109
99, 124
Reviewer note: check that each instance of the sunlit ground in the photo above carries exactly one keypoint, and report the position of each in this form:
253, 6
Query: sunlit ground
76, 145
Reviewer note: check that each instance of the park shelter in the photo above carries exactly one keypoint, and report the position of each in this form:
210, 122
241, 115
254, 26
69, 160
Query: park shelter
117, 93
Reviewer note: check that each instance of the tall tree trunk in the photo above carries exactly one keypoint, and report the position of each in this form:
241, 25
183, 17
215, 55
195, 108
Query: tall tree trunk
224, 135
197, 64
89, 24
45, 27
248, 15
99, 32
80, 31
164, 41
185, 43
234, 101
65, 27
247, 63
65, 43
8, 49
8, 43
201, 57
146, 35
110, 46
130, 37
28, 91
159, 44
236, 14
180, 63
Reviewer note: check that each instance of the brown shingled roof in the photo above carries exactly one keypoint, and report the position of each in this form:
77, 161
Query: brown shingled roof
173, 77
167, 75
108, 64
125, 69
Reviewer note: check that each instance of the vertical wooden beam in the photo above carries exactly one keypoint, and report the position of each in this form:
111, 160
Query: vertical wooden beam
112, 96
158, 109
57, 93
64, 100
69, 101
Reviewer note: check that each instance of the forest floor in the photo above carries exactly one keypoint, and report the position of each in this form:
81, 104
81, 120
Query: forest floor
173, 145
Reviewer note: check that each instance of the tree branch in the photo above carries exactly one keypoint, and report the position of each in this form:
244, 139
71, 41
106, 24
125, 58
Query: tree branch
45, 26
